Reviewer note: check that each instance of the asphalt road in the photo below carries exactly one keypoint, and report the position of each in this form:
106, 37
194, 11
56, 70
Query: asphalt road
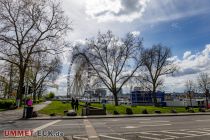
139, 128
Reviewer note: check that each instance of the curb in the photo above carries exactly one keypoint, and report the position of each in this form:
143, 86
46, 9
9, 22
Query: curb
116, 116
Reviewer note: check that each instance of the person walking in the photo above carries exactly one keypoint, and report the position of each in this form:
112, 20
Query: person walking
76, 105
72, 103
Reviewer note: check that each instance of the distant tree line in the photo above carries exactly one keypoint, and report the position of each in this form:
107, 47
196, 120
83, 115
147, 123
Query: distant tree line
202, 85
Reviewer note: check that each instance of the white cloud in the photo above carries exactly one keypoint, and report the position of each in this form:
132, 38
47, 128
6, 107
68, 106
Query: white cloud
186, 54
189, 68
135, 33
62, 85
115, 10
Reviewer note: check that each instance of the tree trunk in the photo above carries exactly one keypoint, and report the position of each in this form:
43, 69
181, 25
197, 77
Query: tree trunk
115, 98
190, 101
21, 88
207, 95
99, 98
34, 95
154, 96
154, 99
207, 104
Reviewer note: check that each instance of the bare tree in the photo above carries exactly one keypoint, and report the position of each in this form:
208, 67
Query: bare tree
157, 63
190, 88
43, 68
113, 60
204, 85
9, 71
28, 27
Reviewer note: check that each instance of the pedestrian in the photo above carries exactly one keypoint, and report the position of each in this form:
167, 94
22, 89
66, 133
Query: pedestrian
76, 105
72, 103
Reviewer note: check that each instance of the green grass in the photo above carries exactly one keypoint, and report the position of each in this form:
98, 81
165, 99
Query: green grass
58, 107
138, 109
2, 110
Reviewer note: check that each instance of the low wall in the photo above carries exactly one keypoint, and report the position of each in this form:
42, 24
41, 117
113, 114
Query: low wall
86, 111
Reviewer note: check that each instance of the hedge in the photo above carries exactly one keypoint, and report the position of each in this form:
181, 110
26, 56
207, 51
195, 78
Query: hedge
6, 104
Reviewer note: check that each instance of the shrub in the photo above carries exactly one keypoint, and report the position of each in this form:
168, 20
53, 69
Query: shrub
157, 111
71, 113
65, 111
7, 104
187, 108
51, 95
191, 110
36, 101
144, 111
35, 114
173, 111
52, 114
129, 111
202, 110
41, 100
116, 113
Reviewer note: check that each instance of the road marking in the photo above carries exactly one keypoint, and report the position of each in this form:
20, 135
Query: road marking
114, 120
66, 124
91, 132
145, 137
80, 138
141, 119
196, 136
171, 136
206, 130
150, 133
131, 127
154, 125
155, 122
203, 120
116, 138
179, 133
154, 134
45, 126
198, 132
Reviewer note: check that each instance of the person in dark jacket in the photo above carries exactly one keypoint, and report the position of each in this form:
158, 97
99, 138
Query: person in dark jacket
72, 103
76, 105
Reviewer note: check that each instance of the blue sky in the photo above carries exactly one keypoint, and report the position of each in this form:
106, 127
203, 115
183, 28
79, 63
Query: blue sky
191, 33
182, 25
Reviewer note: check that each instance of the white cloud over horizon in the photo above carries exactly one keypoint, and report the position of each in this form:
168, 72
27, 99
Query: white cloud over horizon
115, 10
190, 66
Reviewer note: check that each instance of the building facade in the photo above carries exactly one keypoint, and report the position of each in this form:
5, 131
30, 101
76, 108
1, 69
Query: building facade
145, 98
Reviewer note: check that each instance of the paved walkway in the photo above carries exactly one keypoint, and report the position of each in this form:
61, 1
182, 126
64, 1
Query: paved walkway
12, 115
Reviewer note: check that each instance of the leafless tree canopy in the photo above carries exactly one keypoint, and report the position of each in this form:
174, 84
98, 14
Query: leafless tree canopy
157, 63
190, 89
28, 27
204, 85
42, 70
203, 82
114, 60
189, 85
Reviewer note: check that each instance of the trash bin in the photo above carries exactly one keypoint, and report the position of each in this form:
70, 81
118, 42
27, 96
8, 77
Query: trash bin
29, 111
